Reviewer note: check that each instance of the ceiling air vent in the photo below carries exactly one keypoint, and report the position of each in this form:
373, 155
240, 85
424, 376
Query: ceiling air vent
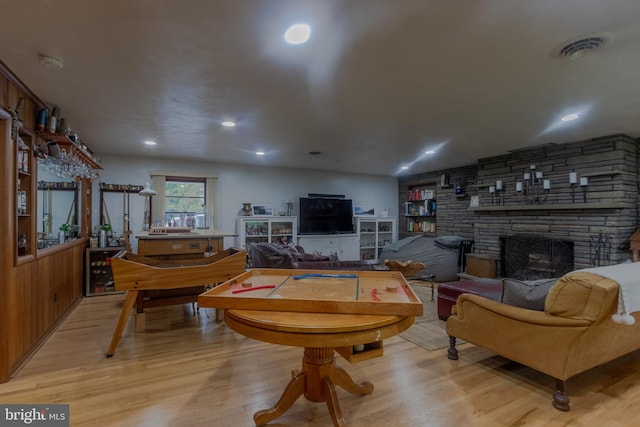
576, 48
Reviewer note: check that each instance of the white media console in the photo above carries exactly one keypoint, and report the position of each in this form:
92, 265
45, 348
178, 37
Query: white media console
346, 246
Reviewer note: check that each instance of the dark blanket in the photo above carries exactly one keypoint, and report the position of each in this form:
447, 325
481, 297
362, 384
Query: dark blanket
439, 255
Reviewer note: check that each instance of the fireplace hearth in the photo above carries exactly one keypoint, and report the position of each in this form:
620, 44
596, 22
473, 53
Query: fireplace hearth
531, 257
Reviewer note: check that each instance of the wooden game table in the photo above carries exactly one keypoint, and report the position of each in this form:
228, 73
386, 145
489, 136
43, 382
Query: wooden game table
324, 312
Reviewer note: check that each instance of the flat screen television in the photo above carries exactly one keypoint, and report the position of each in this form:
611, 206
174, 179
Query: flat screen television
325, 216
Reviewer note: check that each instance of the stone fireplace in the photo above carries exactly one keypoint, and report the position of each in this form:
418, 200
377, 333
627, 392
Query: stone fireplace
596, 220
531, 257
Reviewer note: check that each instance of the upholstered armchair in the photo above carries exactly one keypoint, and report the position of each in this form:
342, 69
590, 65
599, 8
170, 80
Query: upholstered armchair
575, 331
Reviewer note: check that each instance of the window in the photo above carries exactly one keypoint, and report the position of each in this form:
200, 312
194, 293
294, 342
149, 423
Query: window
184, 199
185, 202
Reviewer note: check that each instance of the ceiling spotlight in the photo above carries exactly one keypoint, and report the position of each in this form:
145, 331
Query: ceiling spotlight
259, 153
149, 142
51, 61
297, 34
404, 168
228, 124
569, 117
430, 152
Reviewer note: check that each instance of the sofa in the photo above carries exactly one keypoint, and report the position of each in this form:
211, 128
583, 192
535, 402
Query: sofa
279, 255
574, 332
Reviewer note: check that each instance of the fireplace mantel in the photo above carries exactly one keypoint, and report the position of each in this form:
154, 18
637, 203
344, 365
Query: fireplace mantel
549, 207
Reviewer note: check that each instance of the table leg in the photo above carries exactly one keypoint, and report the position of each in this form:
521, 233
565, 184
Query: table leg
317, 380
122, 321
294, 389
343, 379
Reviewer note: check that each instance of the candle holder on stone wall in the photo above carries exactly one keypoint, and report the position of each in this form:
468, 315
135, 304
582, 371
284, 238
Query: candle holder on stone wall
500, 192
584, 183
535, 189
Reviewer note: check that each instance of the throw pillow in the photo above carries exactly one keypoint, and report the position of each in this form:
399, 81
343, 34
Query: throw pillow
529, 294
449, 241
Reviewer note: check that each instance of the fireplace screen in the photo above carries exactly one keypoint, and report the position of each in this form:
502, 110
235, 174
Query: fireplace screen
528, 257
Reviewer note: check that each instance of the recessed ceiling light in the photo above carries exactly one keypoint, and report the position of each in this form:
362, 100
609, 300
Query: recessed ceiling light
569, 117
430, 152
149, 142
404, 168
297, 34
259, 153
228, 124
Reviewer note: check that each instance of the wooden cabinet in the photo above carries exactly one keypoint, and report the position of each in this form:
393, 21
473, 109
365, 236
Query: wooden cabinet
37, 287
375, 234
190, 245
266, 229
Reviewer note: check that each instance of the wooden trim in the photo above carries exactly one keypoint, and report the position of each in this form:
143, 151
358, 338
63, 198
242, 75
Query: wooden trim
6, 258
179, 174
19, 84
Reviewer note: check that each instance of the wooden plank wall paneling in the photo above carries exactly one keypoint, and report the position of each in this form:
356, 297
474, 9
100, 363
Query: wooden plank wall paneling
38, 291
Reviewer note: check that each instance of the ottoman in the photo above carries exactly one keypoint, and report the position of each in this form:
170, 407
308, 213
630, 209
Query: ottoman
448, 292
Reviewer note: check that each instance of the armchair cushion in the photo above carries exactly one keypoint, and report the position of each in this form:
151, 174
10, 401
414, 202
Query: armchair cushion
580, 295
530, 294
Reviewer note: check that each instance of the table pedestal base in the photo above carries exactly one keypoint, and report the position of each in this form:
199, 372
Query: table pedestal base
317, 381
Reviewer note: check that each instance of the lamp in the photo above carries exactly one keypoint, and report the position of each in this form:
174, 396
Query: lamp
147, 192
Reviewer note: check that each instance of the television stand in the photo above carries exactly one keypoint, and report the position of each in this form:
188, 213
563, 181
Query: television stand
346, 246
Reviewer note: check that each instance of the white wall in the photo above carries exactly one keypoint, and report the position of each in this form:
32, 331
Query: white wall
239, 184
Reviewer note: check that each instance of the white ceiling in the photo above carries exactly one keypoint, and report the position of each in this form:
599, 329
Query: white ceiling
379, 82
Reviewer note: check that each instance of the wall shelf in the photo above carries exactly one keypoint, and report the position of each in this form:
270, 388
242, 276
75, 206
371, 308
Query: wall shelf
603, 173
548, 207
69, 146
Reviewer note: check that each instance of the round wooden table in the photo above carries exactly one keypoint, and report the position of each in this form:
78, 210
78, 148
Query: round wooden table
319, 334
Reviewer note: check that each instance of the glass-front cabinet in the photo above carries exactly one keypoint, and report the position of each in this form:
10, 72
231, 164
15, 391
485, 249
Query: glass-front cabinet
375, 234
57, 208
266, 229
24, 191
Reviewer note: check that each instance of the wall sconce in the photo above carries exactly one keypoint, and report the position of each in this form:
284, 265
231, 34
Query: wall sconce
584, 182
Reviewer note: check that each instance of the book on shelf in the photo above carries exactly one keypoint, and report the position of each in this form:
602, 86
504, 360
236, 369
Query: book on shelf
417, 195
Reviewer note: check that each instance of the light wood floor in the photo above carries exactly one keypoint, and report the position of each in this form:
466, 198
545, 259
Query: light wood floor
190, 370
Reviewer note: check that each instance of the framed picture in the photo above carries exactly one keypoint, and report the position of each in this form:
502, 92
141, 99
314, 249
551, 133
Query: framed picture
262, 210
364, 211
